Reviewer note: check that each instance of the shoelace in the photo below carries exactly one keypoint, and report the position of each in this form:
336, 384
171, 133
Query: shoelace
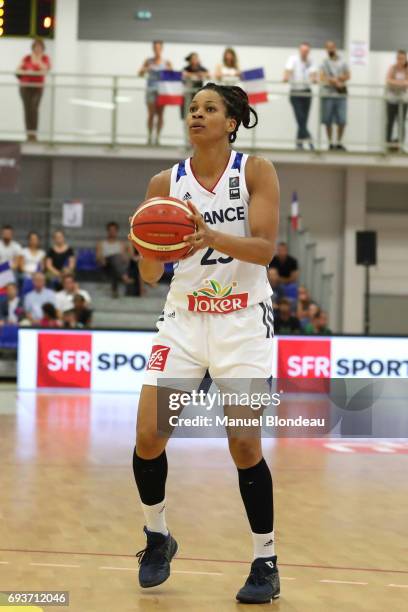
147, 553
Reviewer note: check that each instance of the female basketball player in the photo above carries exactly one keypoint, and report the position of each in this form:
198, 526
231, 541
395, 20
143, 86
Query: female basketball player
239, 197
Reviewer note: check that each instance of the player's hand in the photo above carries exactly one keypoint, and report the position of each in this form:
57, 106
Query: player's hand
203, 235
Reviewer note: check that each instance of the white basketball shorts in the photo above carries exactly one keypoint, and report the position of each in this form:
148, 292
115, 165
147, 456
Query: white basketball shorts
234, 345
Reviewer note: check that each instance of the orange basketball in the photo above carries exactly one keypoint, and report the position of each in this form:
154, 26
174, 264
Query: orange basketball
158, 226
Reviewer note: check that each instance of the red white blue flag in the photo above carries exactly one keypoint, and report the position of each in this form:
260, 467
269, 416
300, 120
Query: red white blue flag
294, 212
255, 86
170, 88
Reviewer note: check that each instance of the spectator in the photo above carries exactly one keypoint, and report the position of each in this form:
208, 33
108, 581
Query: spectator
300, 72
334, 73
35, 299
65, 298
397, 99
134, 282
69, 319
111, 254
194, 75
318, 324
285, 264
152, 68
10, 306
60, 259
228, 73
9, 249
285, 322
83, 314
32, 257
50, 316
31, 85
303, 303
278, 292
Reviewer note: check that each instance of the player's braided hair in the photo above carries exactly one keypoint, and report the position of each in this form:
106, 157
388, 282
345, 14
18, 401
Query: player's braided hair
236, 104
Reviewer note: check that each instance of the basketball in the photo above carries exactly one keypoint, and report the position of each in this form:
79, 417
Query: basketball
158, 227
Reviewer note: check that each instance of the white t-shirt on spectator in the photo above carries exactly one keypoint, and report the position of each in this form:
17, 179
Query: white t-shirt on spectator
301, 72
9, 251
12, 306
32, 260
65, 301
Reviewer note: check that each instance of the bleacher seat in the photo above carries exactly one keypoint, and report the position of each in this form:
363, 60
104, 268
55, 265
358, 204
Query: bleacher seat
8, 336
27, 286
291, 291
86, 260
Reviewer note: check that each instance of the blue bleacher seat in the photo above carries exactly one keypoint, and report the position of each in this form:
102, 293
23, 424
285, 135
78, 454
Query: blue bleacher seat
86, 260
291, 291
26, 286
8, 336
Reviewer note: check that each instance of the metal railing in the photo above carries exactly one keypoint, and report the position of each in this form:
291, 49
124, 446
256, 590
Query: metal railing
111, 110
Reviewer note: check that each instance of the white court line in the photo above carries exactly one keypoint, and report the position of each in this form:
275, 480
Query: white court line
398, 586
286, 578
203, 573
343, 582
55, 565
4, 562
121, 569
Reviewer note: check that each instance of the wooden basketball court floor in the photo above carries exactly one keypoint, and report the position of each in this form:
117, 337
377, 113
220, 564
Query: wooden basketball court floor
70, 516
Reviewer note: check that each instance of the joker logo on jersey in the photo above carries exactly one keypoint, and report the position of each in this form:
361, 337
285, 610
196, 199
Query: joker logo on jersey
215, 299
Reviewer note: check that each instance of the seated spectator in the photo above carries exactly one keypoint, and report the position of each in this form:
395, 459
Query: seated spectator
32, 257
69, 319
285, 264
318, 325
228, 73
65, 298
194, 75
83, 314
278, 293
50, 316
133, 280
397, 100
10, 250
300, 72
285, 323
60, 259
35, 299
111, 254
303, 303
10, 306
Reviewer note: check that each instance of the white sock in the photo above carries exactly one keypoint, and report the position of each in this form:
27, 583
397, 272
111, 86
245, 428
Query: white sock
155, 517
264, 544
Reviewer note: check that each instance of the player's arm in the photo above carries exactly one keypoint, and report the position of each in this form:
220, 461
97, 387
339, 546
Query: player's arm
151, 270
263, 187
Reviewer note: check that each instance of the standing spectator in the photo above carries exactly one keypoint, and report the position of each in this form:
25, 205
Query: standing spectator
83, 314
397, 99
111, 254
64, 299
300, 72
152, 68
32, 256
285, 322
50, 316
10, 306
31, 85
194, 75
334, 73
228, 73
35, 299
60, 259
10, 250
285, 264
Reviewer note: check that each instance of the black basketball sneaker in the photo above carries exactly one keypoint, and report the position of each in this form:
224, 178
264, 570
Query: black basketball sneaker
154, 560
262, 584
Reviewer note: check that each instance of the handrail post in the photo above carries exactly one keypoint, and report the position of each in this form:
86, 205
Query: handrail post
114, 124
319, 118
52, 109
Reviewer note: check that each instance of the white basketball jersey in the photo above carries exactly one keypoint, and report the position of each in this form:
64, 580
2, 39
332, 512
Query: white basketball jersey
211, 281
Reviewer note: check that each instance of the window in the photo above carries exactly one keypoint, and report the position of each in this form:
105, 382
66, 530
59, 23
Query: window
27, 18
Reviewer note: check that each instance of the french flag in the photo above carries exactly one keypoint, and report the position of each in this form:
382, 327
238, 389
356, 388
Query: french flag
170, 88
255, 86
294, 212
6, 275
